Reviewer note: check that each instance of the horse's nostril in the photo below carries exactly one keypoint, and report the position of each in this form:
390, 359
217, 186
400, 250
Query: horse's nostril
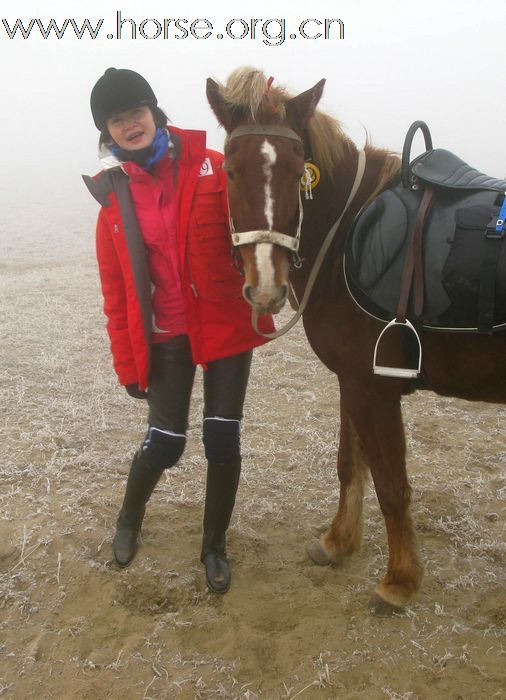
284, 293
246, 292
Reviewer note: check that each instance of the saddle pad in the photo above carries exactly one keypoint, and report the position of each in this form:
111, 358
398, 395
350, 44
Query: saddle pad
379, 239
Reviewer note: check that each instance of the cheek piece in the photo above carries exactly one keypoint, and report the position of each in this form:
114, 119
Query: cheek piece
163, 448
221, 438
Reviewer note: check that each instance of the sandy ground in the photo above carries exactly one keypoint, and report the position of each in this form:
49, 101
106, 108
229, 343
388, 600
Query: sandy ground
74, 626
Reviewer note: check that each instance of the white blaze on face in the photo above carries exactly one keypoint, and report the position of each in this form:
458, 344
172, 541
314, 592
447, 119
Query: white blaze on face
263, 251
265, 268
269, 153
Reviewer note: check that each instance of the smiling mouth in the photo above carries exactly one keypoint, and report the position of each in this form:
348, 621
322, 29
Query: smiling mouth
136, 136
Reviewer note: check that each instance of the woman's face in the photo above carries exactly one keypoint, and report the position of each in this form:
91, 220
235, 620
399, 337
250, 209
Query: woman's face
133, 129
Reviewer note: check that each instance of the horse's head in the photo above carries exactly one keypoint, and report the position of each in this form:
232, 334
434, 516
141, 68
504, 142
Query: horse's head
264, 161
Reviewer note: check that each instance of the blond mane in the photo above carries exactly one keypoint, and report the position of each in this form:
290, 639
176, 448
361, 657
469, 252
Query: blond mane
247, 91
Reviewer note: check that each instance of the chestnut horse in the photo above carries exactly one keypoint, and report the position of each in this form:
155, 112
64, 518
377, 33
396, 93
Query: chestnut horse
270, 134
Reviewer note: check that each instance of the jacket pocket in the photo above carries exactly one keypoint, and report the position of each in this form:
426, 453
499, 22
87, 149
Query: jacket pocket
212, 268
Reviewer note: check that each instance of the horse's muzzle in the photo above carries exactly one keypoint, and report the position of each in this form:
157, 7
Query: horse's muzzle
266, 301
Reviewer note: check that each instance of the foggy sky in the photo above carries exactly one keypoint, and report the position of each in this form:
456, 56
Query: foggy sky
443, 62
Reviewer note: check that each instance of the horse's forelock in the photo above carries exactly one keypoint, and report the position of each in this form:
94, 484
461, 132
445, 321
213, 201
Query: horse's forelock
246, 89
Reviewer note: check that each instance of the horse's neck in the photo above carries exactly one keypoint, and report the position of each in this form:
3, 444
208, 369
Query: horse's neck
329, 200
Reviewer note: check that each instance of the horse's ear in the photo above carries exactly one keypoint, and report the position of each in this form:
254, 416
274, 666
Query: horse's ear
301, 108
218, 104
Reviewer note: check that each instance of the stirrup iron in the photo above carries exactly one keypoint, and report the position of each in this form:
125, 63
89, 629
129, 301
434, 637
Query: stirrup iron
401, 372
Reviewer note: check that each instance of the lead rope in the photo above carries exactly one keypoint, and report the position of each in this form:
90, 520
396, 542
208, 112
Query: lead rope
319, 259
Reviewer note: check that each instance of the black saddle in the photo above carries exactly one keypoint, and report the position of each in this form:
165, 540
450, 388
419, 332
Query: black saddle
443, 168
438, 216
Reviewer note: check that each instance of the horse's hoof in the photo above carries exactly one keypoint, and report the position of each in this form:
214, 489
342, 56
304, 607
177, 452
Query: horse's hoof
317, 554
382, 608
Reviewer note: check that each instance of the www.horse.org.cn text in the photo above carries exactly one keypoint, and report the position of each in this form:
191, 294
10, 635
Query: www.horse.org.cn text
271, 32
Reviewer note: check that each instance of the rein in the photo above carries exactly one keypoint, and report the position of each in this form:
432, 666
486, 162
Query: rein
319, 259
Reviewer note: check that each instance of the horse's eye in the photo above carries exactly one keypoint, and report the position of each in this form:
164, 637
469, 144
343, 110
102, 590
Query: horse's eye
229, 172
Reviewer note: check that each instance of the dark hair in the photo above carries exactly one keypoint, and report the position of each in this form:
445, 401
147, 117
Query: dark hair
159, 117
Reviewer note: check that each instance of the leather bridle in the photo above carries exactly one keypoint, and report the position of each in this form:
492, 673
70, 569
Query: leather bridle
291, 242
266, 235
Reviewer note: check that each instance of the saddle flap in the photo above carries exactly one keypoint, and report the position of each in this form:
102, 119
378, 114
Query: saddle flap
454, 244
443, 168
379, 235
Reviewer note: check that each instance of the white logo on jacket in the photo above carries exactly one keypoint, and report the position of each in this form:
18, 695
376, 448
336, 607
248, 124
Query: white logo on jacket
206, 168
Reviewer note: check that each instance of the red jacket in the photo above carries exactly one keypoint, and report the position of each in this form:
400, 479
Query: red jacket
219, 320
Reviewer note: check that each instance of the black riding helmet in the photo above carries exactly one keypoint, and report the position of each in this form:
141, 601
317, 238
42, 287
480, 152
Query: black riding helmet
116, 91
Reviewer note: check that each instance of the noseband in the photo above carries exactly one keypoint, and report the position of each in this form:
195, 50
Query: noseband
265, 235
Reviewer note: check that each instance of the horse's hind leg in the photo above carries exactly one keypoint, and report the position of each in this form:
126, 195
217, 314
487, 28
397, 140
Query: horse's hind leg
377, 418
345, 534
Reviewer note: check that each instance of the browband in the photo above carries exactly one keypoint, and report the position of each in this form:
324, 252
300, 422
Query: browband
268, 130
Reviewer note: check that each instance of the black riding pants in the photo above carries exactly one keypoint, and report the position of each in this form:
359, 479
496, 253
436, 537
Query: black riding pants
171, 383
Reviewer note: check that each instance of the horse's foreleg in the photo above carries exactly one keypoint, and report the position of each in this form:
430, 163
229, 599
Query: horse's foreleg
377, 419
345, 534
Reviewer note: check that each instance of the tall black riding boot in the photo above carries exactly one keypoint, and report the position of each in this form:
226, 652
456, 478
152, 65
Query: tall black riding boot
222, 483
141, 482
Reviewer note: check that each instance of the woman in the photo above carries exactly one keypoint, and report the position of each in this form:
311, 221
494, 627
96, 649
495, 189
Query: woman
173, 300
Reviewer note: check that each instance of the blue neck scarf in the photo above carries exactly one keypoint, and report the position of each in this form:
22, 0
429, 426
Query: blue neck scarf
147, 157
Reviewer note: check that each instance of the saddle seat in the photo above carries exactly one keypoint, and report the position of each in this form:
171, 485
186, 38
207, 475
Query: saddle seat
443, 168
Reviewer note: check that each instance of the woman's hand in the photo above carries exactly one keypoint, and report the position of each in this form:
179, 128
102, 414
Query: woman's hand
136, 393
